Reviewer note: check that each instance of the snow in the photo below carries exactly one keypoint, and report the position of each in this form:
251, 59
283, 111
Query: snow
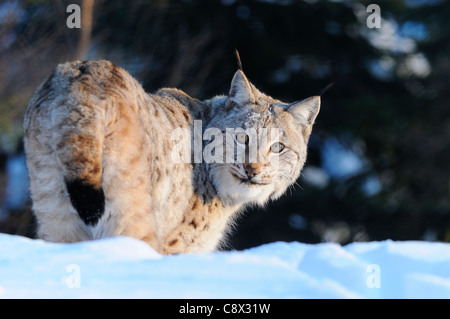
123, 267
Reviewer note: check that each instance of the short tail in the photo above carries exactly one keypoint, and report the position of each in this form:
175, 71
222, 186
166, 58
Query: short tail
79, 145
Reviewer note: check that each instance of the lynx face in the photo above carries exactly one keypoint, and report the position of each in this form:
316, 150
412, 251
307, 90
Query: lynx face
265, 142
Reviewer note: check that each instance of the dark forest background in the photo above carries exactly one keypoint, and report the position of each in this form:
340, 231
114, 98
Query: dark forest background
378, 165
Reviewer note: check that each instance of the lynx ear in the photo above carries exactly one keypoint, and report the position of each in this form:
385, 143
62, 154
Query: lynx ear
305, 112
241, 91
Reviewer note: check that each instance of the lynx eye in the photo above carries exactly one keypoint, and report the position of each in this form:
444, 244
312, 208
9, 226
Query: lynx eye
242, 138
277, 147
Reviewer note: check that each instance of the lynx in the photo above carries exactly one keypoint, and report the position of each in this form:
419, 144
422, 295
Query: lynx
100, 155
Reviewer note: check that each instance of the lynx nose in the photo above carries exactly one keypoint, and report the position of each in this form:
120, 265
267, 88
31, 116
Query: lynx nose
252, 169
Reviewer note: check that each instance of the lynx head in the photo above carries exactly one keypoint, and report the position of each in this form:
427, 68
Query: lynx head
264, 144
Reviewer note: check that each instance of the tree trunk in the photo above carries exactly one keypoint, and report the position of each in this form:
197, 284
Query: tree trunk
87, 13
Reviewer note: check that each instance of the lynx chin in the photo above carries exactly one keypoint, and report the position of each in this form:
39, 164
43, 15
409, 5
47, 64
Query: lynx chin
99, 152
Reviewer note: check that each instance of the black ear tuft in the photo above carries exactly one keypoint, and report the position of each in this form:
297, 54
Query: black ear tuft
238, 58
325, 89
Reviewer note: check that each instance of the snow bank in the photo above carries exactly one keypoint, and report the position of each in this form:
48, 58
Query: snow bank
127, 268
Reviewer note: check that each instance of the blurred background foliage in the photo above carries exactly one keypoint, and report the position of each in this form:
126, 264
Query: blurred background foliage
378, 166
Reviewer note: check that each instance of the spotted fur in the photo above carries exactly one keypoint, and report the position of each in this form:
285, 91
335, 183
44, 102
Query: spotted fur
99, 155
